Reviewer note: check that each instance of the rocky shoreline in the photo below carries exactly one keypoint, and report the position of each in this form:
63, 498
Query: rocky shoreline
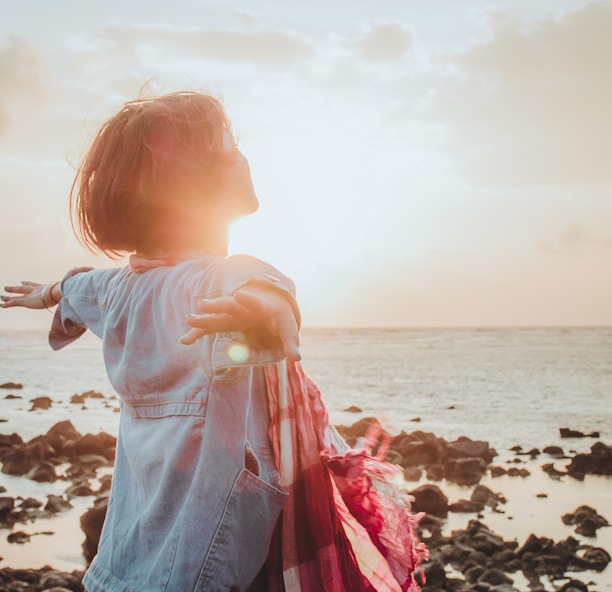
482, 560
473, 558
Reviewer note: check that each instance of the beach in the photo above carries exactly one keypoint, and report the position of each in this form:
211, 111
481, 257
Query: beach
509, 388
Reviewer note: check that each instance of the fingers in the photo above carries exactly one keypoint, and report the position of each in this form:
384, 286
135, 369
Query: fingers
222, 305
7, 301
253, 302
23, 288
292, 351
192, 336
213, 323
287, 332
207, 324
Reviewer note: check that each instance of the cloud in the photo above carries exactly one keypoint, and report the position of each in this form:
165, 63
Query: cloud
258, 47
532, 106
236, 46
573, 240
383, 42
20, 77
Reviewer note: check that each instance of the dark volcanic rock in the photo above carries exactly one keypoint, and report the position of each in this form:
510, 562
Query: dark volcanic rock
541, 556
534, 545
465, 471
61, 433
473, 573
6, 506
45, 579
352, 433
483, 539
419, 448
43, 472
506, 560
484, 495
435, 472
596, 558
41, 403
554, 451
19, 537
7, 442
80, 398
569, 433
30, 503
21, 459
430, 528
57, 503
586, 519
574, 586
518, 472
497, 471
38, 458
466, 448
101, 444
80, 489
486, 560
432, 574
413, 473
430, 499
495, 577
463, 461
598, 462
552, 472
466, 507
466, 460
91, 524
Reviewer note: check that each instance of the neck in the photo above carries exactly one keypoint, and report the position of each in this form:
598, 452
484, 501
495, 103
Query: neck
212, 241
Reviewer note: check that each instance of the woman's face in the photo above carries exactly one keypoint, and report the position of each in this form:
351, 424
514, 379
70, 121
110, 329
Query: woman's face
236, 188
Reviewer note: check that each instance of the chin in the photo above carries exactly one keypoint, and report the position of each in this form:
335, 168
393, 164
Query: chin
251, 204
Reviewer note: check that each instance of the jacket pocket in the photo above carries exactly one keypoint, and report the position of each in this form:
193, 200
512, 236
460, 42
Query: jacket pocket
240, 545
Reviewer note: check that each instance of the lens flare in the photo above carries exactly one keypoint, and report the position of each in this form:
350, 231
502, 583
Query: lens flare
238, 352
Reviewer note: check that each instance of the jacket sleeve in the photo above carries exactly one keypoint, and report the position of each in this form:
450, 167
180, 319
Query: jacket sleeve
81, 306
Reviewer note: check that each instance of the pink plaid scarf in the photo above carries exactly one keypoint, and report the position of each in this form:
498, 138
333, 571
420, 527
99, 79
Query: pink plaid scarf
346, 525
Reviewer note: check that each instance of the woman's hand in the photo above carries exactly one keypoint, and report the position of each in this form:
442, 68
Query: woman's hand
35, 295
29, 295
250, 307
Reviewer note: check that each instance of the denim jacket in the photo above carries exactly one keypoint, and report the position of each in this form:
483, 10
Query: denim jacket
195, 495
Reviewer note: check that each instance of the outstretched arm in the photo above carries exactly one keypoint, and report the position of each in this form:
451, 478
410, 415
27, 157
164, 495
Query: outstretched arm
253, 306
35, 295
32, 295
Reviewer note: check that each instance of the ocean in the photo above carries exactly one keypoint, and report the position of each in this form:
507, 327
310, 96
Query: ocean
508, 386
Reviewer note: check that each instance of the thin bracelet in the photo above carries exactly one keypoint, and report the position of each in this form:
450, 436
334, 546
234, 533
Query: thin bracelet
48, 292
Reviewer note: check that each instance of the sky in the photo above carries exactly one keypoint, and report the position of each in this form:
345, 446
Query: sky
418, 164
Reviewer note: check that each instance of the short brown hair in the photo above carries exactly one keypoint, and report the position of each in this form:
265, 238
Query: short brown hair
152, 152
